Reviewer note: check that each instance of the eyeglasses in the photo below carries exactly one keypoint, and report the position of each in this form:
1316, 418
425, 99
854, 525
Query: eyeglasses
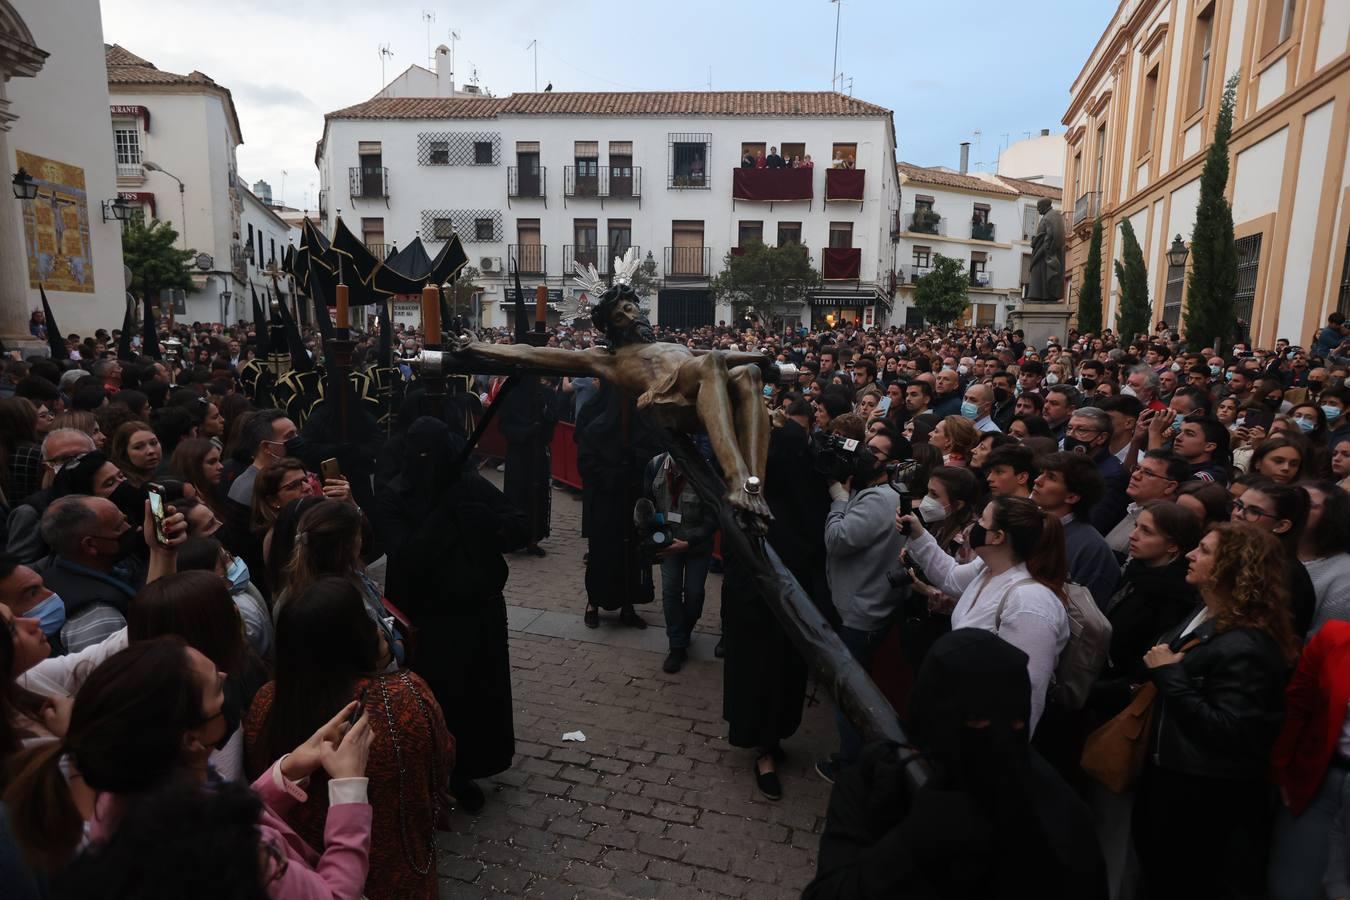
1146, 473
1250, 513
1082, 431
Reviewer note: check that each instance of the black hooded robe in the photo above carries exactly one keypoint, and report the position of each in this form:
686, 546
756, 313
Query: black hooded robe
526, 420
447, 532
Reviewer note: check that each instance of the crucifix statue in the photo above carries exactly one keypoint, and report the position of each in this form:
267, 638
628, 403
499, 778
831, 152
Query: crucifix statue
680, 388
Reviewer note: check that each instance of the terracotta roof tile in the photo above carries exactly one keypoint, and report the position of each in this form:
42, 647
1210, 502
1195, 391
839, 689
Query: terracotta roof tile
632, 103
421, 108
126, 68
1032, 188
117, 55
943, 178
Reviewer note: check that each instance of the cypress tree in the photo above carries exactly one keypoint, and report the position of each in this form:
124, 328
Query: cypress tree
1213, 278
1134, 312
1090, 294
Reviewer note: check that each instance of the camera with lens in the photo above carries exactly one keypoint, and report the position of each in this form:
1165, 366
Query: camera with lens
835, 456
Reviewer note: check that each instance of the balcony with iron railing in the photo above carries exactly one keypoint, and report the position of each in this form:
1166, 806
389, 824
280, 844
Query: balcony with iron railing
378, 249
131, 171
915, 272
598, 256
368, 182
526, 183
841, 263
1086, 208
603, 182
239, 259
925, 221
687, 262
529, 259
323, 202
981, 231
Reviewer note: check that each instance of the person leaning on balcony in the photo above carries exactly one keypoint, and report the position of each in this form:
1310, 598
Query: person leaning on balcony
748, 160
808, 163
774, 161
760, 161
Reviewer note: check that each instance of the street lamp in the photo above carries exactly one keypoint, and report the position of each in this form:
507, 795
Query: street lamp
1177, 253
25, 188
121, 210
182, 203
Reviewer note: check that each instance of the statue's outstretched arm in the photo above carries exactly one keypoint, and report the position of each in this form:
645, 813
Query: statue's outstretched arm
554, 359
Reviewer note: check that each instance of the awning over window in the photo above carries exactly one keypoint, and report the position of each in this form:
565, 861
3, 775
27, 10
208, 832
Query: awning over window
587, 149
132, 112
527, 146
620, 148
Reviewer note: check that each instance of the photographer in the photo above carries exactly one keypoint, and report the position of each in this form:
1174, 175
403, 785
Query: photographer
685, 560
861, 545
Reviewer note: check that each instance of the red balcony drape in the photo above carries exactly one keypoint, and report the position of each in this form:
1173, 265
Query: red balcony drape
841, 263
766, 185
844, 184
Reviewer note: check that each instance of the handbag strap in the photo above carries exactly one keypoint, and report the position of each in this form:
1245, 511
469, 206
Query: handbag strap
1002, 601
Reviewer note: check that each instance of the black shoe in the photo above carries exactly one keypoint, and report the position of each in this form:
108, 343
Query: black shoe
719, 651
630, 618
674, 660
469, 796
768, 783
827, 769
592, 617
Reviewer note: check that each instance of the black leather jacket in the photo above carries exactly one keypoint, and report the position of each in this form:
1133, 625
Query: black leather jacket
1220, 708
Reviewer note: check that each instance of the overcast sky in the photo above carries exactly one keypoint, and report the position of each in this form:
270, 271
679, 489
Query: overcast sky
987, 71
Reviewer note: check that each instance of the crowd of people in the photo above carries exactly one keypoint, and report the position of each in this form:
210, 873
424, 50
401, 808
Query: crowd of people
1032, 551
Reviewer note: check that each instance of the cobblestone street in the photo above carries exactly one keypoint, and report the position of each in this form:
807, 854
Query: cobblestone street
655, 802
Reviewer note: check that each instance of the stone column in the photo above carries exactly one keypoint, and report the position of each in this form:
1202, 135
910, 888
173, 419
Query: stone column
19, 58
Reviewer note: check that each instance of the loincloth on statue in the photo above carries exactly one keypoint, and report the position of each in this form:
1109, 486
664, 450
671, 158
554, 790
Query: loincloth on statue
665, 393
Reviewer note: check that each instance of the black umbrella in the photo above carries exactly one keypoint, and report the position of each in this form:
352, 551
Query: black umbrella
375, 274
57, 344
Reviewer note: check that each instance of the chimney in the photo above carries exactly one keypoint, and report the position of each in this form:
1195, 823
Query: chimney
445, 79
965, 157
1045, 132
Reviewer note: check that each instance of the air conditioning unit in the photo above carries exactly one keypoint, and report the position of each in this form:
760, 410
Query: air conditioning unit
490, 264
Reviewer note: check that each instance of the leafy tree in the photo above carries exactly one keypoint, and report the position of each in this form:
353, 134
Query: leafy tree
768, 278
941, 295
151, 252
1090, 294
1133, 315
1213, 280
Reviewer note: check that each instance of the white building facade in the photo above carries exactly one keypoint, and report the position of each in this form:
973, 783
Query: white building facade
174, 142
540, 180
985, 221
264, 235
52, 86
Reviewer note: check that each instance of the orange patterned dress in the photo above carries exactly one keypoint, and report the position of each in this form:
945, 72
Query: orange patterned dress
411, 756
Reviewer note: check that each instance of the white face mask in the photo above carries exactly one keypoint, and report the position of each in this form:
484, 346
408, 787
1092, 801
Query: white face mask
931, 509
1051, 378
1128, 391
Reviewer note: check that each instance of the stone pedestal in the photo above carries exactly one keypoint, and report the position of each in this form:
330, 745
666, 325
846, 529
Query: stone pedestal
1040, 322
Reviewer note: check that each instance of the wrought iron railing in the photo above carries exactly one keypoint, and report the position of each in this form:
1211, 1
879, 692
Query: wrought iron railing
526, 182
530, 259
687, 262
368, 182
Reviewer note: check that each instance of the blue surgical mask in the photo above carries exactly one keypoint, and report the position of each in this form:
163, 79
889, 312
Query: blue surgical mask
970, 410
1215, 370
50, 613
1331, 412
237, 573
1306, 424
1228, 376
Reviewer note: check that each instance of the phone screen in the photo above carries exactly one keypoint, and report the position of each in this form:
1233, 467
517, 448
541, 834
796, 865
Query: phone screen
157, 513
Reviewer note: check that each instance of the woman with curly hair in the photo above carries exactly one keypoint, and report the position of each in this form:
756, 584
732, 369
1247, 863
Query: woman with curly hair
1220, 677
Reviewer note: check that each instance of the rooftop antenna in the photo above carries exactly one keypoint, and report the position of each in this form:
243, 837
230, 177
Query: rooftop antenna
282, 195
534, 44
850, 83
428, 16
834, 72
454, 36
710, 78
385, 54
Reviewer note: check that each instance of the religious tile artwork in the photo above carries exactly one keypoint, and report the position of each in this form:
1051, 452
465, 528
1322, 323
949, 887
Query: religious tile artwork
56, 226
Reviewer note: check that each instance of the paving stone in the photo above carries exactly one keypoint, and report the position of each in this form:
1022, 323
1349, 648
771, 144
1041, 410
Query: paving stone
655, 803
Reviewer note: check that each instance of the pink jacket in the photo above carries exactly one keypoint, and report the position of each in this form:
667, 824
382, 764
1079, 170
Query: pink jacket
338, 873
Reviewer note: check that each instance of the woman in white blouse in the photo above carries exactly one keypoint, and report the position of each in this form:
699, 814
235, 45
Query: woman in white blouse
1015, 586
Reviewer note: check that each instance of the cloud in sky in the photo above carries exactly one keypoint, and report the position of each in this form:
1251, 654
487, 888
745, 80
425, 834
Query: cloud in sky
947, 71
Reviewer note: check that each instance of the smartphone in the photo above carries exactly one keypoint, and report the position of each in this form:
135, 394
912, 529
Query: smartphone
329, 468
1257, 418
360, 708
157, 512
